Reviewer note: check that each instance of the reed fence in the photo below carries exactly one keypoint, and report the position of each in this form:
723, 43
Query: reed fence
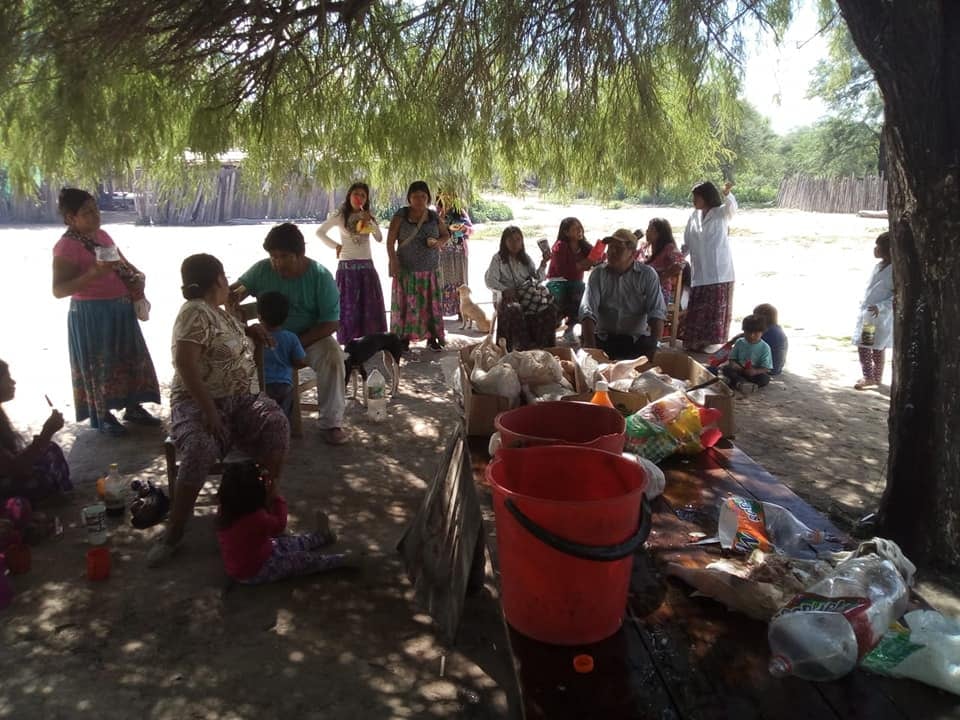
833, 195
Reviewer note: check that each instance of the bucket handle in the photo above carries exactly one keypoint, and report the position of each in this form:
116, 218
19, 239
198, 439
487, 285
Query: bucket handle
597, 553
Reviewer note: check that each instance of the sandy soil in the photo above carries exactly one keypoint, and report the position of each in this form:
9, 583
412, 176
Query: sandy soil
180, 643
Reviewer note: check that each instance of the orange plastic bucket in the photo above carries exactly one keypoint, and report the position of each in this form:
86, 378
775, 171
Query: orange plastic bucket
562, 423
568, 522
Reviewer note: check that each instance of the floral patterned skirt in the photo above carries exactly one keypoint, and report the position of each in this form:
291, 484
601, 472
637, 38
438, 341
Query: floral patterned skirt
453, 274
415, 311
707, 319
109, 360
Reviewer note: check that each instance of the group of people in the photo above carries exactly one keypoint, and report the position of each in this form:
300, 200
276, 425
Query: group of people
303, 310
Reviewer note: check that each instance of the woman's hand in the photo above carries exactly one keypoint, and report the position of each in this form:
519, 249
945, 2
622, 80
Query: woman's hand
726, 187
269, 485
339, 250
433, 242
509, 295
214, 425
52, 426
393, 267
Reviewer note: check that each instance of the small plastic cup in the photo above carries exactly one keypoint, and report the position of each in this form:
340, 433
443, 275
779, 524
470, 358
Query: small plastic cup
18, 559
98, 563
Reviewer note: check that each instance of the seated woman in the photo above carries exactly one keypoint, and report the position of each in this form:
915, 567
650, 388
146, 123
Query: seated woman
211, 406
664, 256
526, 314
28, 473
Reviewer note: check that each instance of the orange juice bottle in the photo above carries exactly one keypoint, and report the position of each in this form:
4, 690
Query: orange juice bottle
601, 396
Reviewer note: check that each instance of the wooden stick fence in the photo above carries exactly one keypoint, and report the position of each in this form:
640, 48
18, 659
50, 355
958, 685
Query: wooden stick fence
833, 195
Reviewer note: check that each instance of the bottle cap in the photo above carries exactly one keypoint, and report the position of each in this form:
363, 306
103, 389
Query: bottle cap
601, 386
114, 466
583, 663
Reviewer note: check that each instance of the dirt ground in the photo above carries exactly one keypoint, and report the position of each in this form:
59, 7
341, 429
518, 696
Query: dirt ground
178, 642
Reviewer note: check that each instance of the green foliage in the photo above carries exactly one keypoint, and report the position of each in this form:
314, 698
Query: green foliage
482, 211
831, 148
581, 96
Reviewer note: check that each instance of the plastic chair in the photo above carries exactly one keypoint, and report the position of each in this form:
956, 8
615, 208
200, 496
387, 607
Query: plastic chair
672, 323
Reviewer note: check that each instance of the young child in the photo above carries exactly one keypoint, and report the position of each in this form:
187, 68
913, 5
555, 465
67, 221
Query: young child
774, 336
286, 354
250, 520
876, 309
750, 361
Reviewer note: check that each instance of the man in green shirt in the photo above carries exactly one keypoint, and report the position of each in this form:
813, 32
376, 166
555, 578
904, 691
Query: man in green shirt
314, 316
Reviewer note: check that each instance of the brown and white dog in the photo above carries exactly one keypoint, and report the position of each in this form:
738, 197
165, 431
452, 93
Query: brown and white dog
470, 312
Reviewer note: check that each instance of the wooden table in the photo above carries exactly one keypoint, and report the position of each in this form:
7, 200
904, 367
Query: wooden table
682, 657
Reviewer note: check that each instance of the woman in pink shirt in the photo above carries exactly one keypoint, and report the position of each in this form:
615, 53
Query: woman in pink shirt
251, 520
109, 360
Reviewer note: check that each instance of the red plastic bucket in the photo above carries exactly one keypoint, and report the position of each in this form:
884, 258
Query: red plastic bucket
568, 522
562, 423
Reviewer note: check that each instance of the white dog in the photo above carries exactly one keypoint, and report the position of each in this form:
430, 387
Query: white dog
470, 312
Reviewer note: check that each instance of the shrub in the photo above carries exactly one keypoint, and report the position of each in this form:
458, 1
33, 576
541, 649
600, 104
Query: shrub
482, 211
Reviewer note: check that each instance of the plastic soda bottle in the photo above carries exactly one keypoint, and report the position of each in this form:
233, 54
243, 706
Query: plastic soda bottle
601, 395
376, 396
114, 492
868, 329
596, 255
822, 632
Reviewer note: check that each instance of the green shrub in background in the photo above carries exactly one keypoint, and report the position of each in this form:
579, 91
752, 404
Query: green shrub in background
482, 211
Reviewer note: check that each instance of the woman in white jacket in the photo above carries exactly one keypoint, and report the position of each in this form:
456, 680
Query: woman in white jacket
874, 331
708, 315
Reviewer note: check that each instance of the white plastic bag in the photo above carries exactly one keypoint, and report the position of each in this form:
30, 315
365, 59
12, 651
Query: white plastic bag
486, 354
656, 480
535, 367
501, 380
929, 651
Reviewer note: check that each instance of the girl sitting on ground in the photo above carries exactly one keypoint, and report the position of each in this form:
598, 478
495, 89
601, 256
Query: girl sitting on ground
750, 359
251, 519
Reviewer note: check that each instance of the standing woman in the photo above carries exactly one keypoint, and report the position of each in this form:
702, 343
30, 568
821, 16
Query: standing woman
707, 320
109, 361
413, 241
453, 255
361, 299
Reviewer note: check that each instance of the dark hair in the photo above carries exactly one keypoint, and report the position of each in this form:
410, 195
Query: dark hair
241, 492
285, 237
708, 191
883, 242
664, 236
418, 186
199, 273
753, 323
504, 253
272, 308
768, 312
346, 208
9, 439
565, 226
71, 200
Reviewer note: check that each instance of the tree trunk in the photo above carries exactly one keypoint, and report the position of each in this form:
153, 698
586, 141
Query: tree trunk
913, 47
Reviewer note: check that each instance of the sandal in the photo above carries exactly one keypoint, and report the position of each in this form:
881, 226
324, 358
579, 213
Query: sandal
109, 425
335, 436
136, 414
864, 384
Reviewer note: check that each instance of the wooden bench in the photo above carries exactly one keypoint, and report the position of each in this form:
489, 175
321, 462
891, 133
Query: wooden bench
684, 657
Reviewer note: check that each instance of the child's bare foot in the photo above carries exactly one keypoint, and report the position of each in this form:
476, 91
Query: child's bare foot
323, 529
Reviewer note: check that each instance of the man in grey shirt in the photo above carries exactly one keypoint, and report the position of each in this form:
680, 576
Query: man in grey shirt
622, 311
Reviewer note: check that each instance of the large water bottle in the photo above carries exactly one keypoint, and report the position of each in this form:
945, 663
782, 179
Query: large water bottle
376, 396
822, 633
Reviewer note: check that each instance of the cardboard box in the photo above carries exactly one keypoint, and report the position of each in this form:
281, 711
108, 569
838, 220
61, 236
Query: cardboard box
678, 364
480, 410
